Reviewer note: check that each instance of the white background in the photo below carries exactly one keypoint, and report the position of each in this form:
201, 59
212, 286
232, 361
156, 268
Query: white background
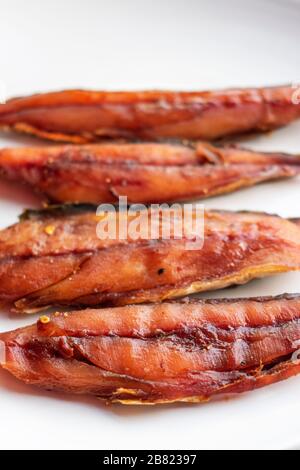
126, 44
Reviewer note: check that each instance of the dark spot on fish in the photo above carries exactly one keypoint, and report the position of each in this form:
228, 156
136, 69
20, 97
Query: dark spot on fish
160, 271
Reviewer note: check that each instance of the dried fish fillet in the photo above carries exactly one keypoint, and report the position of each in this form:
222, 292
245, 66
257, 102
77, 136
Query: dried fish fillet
160, 353
80, 116
143, 172
56, 257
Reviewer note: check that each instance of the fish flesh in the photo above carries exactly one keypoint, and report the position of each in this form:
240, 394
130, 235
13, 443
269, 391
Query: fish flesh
59, 256
161, 353
143, 172
81, 116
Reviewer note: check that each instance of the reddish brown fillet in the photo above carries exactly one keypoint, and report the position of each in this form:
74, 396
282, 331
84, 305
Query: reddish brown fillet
175, 351
55, 257
80, 116
144, 172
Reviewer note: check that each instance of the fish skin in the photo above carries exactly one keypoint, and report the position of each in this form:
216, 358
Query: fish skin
143, 172
189, 350
54, 257
81, 116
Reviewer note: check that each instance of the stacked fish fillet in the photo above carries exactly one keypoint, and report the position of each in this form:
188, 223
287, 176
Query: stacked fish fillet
142, 346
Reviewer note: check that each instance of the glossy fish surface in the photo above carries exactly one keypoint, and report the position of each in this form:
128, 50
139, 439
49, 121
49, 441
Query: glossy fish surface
59, 257
80, 116
143, 172
146, 354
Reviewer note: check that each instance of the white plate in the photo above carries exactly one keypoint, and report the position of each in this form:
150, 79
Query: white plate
135, 44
